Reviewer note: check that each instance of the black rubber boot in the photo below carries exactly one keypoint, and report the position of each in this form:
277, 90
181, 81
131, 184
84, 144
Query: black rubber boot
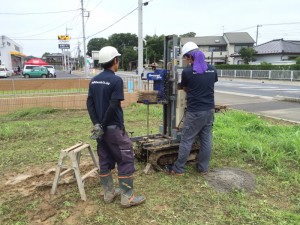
127, 197
107, 183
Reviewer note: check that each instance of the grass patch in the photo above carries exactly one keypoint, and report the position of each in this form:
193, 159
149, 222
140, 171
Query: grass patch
32, 139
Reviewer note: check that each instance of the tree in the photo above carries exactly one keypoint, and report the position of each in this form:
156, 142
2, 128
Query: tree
129, 56
123, 40
248, 55
155, 47
298, 60
46, 53
95, 44
189, 34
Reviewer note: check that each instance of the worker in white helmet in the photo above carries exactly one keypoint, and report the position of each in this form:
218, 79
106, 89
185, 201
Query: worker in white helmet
113, 144
198, 81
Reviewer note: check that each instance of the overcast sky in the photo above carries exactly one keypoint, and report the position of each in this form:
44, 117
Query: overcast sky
37, 33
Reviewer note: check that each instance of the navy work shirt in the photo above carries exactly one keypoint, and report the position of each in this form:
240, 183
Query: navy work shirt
104, 87
200, 88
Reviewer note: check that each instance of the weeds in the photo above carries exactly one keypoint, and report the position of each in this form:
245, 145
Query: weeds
33, 138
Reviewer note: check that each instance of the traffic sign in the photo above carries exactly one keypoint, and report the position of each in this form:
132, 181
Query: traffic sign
63, 37
64, 46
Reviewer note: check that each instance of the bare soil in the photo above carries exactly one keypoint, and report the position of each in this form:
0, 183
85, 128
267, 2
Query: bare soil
229, 179
36, 183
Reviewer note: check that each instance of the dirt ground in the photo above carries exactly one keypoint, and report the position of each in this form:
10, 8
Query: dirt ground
36, 183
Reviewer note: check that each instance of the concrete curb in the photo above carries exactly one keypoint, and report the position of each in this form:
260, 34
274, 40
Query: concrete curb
286, 99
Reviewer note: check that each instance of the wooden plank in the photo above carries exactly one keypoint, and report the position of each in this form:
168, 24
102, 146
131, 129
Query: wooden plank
73, 147
88, 174
66, 171
81, 148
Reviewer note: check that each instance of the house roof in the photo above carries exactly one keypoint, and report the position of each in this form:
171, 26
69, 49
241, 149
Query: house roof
239, 38
54, 55
278, 46
205, 40
233, 38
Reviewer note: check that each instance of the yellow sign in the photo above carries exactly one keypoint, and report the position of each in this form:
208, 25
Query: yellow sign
63, 37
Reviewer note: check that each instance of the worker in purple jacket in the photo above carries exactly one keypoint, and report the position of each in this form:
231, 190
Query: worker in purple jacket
198, 81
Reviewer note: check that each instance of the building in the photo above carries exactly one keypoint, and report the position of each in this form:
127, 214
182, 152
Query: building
221, 49
61, 61
11, 53
278, 52
55, 59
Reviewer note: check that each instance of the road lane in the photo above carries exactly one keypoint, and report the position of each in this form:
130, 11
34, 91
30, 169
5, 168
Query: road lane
267, 106
258, 89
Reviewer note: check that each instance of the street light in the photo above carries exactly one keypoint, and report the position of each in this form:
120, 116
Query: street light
140, 36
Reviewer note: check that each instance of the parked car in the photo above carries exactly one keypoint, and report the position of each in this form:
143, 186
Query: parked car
51, 70
4, 72
39, 71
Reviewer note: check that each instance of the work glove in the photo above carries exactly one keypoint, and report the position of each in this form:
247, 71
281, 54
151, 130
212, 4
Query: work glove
97, 132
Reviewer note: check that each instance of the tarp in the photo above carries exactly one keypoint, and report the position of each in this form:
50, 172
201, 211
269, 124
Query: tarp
35, 61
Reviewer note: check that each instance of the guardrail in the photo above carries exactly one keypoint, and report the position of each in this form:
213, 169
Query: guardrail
290, 75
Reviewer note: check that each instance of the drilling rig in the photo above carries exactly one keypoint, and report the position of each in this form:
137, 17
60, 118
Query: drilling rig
162, 149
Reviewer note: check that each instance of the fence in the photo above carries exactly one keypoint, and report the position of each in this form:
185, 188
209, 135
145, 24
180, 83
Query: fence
55, 93
72, 93
290, 75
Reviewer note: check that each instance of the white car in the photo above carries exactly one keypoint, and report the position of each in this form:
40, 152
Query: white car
4, 72
51, 70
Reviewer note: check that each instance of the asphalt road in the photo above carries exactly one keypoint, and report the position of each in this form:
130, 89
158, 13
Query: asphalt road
259, 88
260, 98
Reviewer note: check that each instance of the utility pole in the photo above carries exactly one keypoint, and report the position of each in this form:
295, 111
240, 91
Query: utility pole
257, 33
68, 59
78, 54
140, 41
83, 35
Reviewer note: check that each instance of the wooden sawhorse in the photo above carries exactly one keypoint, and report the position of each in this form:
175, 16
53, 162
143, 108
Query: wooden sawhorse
74, 154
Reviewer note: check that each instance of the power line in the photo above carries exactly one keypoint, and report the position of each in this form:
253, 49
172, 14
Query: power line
35, 29
20, 14
20, 38
113, 23
97, 5
275, 24
94, 33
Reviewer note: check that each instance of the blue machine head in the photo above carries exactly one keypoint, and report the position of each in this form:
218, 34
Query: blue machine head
158, 77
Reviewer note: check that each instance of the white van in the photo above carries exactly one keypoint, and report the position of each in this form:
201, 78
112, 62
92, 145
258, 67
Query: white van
28, 68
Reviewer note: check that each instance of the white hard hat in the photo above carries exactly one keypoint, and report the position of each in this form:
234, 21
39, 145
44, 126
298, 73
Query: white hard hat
187, 47
107, 53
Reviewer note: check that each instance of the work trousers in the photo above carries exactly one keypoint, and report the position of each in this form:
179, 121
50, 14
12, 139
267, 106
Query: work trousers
116, 147
196, 125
